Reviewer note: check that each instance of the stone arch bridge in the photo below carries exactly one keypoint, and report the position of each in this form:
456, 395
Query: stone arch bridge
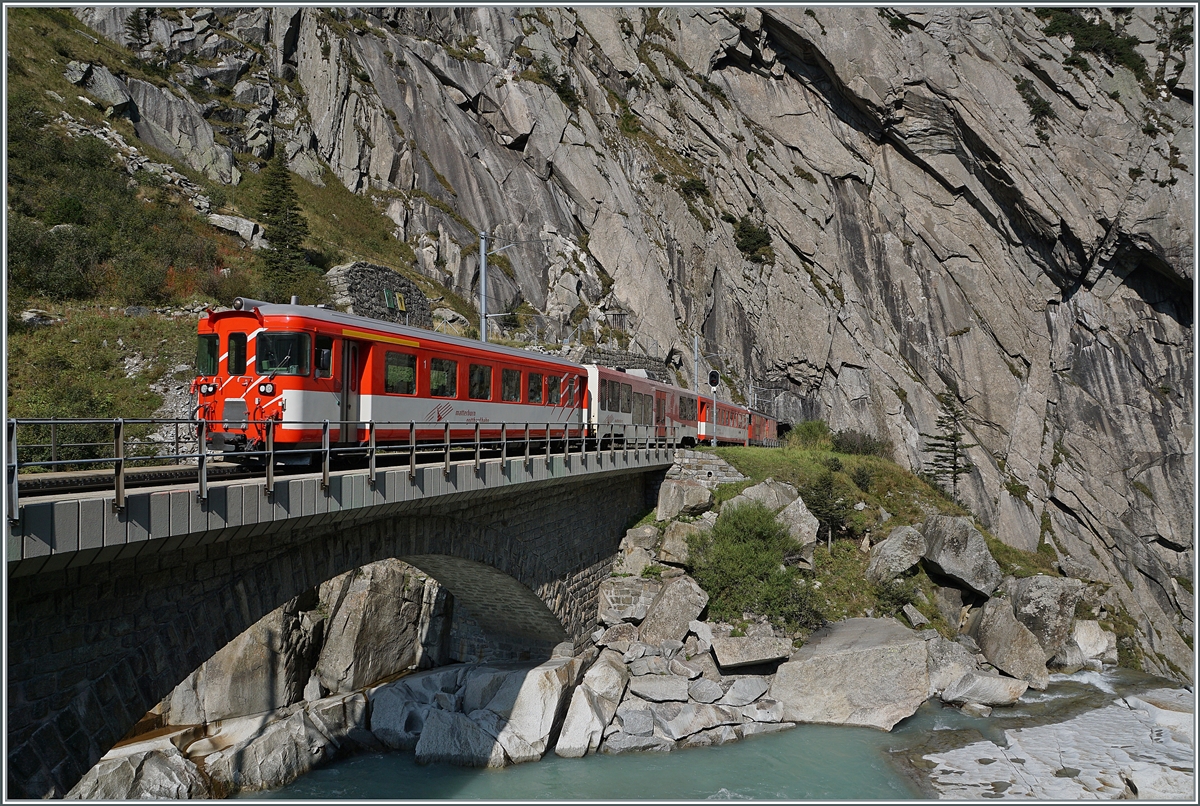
109, 610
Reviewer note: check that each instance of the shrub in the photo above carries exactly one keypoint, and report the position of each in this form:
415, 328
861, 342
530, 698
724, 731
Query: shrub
861, 478
694, 188
740, 563
826, 505
833, 463
891, 596
811, 434
753, 241
862, 444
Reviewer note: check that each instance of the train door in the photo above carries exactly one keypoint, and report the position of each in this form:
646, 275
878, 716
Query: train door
351, 378
660, 414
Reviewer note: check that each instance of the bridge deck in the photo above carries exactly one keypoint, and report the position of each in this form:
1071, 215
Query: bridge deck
68, 530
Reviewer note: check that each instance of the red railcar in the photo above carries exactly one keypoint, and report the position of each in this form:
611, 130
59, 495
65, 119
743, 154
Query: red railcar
300, 366
625, 403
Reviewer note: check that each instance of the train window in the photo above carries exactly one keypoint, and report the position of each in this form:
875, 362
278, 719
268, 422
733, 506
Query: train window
208, 349
602, 396
510, 385
552, 390
236, 363
283, 353
569, 391
480, 382
443, 377
535, 387
324, 362
626, 399
400, 373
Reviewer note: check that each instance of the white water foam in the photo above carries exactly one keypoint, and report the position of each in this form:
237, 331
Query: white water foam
1087, 677
725, 794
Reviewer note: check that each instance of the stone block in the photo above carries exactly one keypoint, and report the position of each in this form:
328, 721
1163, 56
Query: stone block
679, 602
1010, 646
660, 688
984, 689
957, 550
748, 651
900, 551
682, 498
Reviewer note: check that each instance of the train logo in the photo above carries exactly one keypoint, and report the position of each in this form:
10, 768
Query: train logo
439, 412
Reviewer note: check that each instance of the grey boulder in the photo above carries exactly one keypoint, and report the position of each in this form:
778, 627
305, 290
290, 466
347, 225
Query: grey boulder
984, 689
454, 739
1010, 646
774, 495
901, 550
679, 719
660, 688
802, 527
682, 497
747, 651
674, 548
1046, 606
957, 550
861, 671
159, 774
679, 602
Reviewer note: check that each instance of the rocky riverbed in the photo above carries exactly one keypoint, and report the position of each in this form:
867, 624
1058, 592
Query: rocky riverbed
657, 676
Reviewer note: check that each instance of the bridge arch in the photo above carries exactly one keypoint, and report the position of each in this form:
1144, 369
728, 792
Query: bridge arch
93, 648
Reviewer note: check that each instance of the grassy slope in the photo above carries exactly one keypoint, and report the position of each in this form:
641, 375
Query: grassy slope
841, 568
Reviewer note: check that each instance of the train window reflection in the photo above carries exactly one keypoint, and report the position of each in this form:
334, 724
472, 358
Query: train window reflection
283, 353
207, 350
552, 390
443, 377
480, 382
510, 385
535, 387
401, 373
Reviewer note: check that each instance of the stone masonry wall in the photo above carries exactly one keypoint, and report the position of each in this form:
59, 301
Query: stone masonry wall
359, 287
707, 468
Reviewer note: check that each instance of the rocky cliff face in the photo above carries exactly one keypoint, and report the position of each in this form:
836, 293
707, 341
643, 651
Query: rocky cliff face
870, 209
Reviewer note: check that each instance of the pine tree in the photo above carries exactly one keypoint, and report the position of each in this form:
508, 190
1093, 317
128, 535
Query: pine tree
284, 261
948, 460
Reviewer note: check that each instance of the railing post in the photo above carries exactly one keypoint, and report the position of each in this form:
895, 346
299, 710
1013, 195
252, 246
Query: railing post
324, 454
446, 469
54, 440
476, 449
547, 444
202, 461
566, 441
625, 441
371, 452
527, 441
412, 450
270, 488
119, 464
503, 444
11, 468
612, 442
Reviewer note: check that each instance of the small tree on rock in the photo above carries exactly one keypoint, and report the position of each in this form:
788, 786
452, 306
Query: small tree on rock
948, 448
284, 261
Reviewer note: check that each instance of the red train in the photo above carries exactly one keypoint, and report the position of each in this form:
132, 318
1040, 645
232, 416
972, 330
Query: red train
300, 365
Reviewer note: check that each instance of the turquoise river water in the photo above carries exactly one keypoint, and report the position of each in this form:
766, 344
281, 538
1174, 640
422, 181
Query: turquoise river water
809, 762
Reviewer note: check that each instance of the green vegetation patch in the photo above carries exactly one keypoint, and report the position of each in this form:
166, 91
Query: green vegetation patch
1020, 563
1094, 37
740, 563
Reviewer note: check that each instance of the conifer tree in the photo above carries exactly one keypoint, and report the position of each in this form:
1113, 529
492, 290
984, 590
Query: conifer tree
284, 261
948, 448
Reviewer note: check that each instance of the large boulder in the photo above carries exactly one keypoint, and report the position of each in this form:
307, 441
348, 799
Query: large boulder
176, 126
682, 497
455, 739
957, 550
774, 495
984, 689
277, 754
592, 706
1095, 641
400, 709
372, 626
947, 662
1046, 605
679, 602
660, 687
159, 774
745, 690
632, 560
900, 551
674, 548
860, 671
643, 537
747, 651
1010, 646
802, 527
531, 703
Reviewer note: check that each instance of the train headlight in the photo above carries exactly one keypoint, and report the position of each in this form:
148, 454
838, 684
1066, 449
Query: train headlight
208, 388
266, 388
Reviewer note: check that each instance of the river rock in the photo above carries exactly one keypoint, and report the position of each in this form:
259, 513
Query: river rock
1069, 659
705, 690
679, 719
516, 749
774, 495
278, 754
901, 550
957, 550
678, 603
660, 688
454, 739
343, 718
1010, 646
712, 737
682, 497
530, 703
802, 527
745, 690
626, 598
914, 616
480, 685
763, 710
622, 742
619, 632
654, 664
1095, 641
747, 651
1046, 606
856, 672
758, 728
161, 774
975, 709
949, 602
985, 689
674, 548
947, 662
642, 537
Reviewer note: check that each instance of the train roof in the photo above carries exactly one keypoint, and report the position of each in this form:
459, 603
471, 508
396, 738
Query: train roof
335, 317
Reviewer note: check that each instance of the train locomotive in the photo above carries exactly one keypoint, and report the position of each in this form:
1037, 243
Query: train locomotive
304, 374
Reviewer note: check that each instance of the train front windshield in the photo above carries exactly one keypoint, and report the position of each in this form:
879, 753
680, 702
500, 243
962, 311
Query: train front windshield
283, 353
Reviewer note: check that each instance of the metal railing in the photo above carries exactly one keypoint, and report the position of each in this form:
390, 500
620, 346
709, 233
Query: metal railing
437, 442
